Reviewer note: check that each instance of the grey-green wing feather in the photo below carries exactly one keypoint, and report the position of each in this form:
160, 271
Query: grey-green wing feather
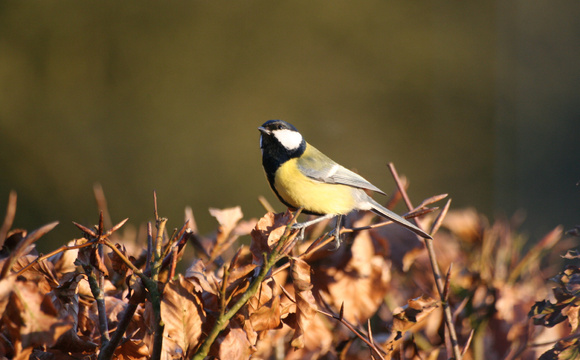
320, 167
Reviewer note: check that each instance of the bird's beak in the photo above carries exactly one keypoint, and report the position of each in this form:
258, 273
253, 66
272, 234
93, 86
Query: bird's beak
263, 130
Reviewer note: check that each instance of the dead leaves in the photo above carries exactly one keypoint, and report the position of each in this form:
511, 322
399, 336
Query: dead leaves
183, 314
31, 319
373, 297
305, 303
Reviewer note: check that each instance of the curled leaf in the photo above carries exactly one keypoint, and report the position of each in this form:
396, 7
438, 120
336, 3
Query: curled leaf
413, 313
305, 303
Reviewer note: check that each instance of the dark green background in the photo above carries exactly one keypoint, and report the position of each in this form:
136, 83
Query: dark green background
476, 99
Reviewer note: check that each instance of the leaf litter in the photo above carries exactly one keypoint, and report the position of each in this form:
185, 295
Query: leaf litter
116, 294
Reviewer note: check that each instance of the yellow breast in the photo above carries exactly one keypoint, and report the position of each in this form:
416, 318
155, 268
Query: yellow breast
316, 197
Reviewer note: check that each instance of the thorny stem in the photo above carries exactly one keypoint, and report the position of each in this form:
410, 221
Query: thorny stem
225, 316
52, 253
99, 296
436, 272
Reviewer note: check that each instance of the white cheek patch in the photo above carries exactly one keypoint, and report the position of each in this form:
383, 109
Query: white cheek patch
291, 140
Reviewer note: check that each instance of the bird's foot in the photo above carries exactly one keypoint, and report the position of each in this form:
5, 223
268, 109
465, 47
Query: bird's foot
301, 227
337, 240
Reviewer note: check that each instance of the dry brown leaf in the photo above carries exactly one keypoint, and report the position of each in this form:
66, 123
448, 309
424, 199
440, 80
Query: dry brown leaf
66, 301
64, 261
133, 350
41, 273
25, 246
234, 345
31, 318
264, 309
305, 302
413, 313
468, 224
117, 263
6, 286
269, 229
318, 341
183, 315
267, 317
203, 280
361, 282
227, 219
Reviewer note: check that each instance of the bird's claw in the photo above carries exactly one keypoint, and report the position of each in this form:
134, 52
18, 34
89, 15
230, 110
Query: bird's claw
298, 226
337, 239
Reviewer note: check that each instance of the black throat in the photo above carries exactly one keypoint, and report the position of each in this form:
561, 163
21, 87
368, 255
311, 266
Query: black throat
274, 155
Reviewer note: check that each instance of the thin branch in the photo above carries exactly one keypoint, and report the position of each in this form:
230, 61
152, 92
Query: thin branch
54, 252
174, 254
447, 283
436, 272
9, 218
468, 342
102, 203
439, 220
223, 295
266, 204
149, 246
99, 296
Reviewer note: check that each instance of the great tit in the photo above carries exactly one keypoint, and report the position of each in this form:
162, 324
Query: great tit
303, 177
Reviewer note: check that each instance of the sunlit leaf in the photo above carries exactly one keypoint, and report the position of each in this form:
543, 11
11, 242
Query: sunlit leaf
183, 315
305, 303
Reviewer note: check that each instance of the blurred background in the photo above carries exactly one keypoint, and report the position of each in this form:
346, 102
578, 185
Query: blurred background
476, 99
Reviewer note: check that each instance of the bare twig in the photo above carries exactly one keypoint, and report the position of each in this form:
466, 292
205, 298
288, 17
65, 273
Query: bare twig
439, 219
54, 252
436, 273
266, 204
9, 218
174, 254
447, 283
223, 295
102, 204
149, 246
468, 342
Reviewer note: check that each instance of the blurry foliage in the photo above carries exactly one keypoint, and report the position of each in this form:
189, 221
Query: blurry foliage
470, 96
108, 294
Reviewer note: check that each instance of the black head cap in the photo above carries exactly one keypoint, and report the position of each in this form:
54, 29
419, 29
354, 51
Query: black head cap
272, 125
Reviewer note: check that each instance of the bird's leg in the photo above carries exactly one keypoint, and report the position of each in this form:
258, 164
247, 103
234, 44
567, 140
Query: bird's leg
337, 231
303, 225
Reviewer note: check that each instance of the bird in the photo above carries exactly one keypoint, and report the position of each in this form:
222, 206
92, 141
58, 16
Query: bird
304, 178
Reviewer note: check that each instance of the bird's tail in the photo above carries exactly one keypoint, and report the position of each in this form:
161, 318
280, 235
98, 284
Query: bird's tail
386, 213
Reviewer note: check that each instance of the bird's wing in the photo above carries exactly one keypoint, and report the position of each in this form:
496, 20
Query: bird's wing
320, 167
